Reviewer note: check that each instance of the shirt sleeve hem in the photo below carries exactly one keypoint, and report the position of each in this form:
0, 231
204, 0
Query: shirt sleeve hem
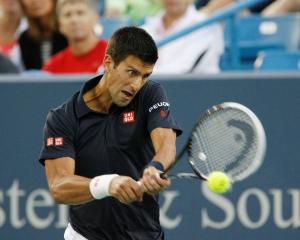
175, 128
54, 156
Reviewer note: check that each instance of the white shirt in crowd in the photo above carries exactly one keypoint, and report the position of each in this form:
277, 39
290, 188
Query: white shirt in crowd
180, 56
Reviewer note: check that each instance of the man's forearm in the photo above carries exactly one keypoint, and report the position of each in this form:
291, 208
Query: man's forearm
281, 7
215, 5
165, 147
71, 190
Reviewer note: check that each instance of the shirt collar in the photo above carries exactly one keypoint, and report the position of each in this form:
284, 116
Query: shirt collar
81, 108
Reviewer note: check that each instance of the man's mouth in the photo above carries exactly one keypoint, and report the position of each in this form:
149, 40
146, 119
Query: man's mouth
127, 94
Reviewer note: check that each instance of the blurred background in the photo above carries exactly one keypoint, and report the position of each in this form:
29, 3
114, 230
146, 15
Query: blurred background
210, 51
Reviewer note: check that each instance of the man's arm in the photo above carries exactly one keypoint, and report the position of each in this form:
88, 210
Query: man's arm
281, 7
68, 188
164, 142
215, 5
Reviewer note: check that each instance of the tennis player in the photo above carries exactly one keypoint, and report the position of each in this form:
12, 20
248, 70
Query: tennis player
105, 147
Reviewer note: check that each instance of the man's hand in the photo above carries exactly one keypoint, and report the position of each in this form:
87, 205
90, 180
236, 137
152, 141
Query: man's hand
126, 190
152, 182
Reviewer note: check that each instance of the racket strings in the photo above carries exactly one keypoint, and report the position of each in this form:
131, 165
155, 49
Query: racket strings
202, 141
224, 141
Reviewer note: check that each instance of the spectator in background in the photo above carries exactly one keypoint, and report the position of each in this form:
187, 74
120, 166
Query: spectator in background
198, 51
77, 19
137, 10
42, 38
6, 66
11, 25
265, 7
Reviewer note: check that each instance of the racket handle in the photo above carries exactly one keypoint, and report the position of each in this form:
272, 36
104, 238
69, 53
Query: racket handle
163, 175
179, 175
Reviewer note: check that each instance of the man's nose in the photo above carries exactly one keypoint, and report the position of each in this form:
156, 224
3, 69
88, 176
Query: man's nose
136, 83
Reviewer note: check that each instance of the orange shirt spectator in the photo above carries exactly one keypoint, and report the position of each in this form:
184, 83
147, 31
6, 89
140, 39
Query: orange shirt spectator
66, 62
77, 20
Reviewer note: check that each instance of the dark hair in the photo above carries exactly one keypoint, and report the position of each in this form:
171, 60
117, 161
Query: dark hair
35, 28
132, 41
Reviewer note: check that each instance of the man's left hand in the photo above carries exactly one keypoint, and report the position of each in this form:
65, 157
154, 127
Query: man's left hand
152, 182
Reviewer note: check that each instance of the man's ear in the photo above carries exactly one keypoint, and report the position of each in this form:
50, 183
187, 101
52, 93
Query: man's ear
108, 63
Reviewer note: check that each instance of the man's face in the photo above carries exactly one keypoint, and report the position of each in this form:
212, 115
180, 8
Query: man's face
126, 79
176, 7
77, 21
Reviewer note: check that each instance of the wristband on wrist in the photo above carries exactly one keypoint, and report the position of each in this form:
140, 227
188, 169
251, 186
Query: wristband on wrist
158, 165
99, 186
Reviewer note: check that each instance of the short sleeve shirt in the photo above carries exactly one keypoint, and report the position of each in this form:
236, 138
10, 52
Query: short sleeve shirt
66, 62
117, 142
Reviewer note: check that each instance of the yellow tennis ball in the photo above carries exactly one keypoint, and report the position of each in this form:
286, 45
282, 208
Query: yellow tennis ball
218, 182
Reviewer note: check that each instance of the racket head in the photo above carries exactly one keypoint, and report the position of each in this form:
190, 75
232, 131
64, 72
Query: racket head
230, 138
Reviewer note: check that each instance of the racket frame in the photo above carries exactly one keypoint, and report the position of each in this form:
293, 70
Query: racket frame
261, 136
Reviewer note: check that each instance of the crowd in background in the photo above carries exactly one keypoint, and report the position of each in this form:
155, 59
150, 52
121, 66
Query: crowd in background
65, 36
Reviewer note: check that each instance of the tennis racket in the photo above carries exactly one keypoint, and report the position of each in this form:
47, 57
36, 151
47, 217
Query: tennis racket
228, 137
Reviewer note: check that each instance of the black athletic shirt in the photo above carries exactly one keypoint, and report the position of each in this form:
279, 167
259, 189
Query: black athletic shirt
118, 142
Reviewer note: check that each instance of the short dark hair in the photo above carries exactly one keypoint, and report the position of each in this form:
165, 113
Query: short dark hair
132, 41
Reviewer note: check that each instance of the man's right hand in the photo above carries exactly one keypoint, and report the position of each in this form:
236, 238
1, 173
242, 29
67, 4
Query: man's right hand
126, 189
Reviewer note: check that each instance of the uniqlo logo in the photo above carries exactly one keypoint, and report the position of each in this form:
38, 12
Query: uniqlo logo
59, 141
128, 117
50, 141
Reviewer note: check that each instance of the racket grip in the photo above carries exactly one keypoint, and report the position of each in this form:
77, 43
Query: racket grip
181, 175
163, 175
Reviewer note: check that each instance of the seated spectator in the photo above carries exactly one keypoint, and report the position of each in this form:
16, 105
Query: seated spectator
198, 51
137, 10
11, 25
86, 51
42, 38
6, 66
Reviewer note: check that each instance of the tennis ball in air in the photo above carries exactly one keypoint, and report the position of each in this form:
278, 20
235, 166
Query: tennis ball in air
218, 182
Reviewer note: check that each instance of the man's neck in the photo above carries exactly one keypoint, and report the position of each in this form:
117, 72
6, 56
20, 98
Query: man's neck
83, 46
169, 19
98, 98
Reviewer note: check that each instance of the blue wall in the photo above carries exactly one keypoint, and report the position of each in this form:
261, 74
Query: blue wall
265, 206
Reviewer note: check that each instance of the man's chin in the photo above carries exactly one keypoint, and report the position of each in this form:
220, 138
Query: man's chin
78, 38
122, 103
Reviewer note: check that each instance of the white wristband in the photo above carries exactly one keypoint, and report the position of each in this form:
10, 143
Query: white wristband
99, 186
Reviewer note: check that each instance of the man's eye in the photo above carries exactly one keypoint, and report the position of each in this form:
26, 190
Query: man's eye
131, 73
68, 14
